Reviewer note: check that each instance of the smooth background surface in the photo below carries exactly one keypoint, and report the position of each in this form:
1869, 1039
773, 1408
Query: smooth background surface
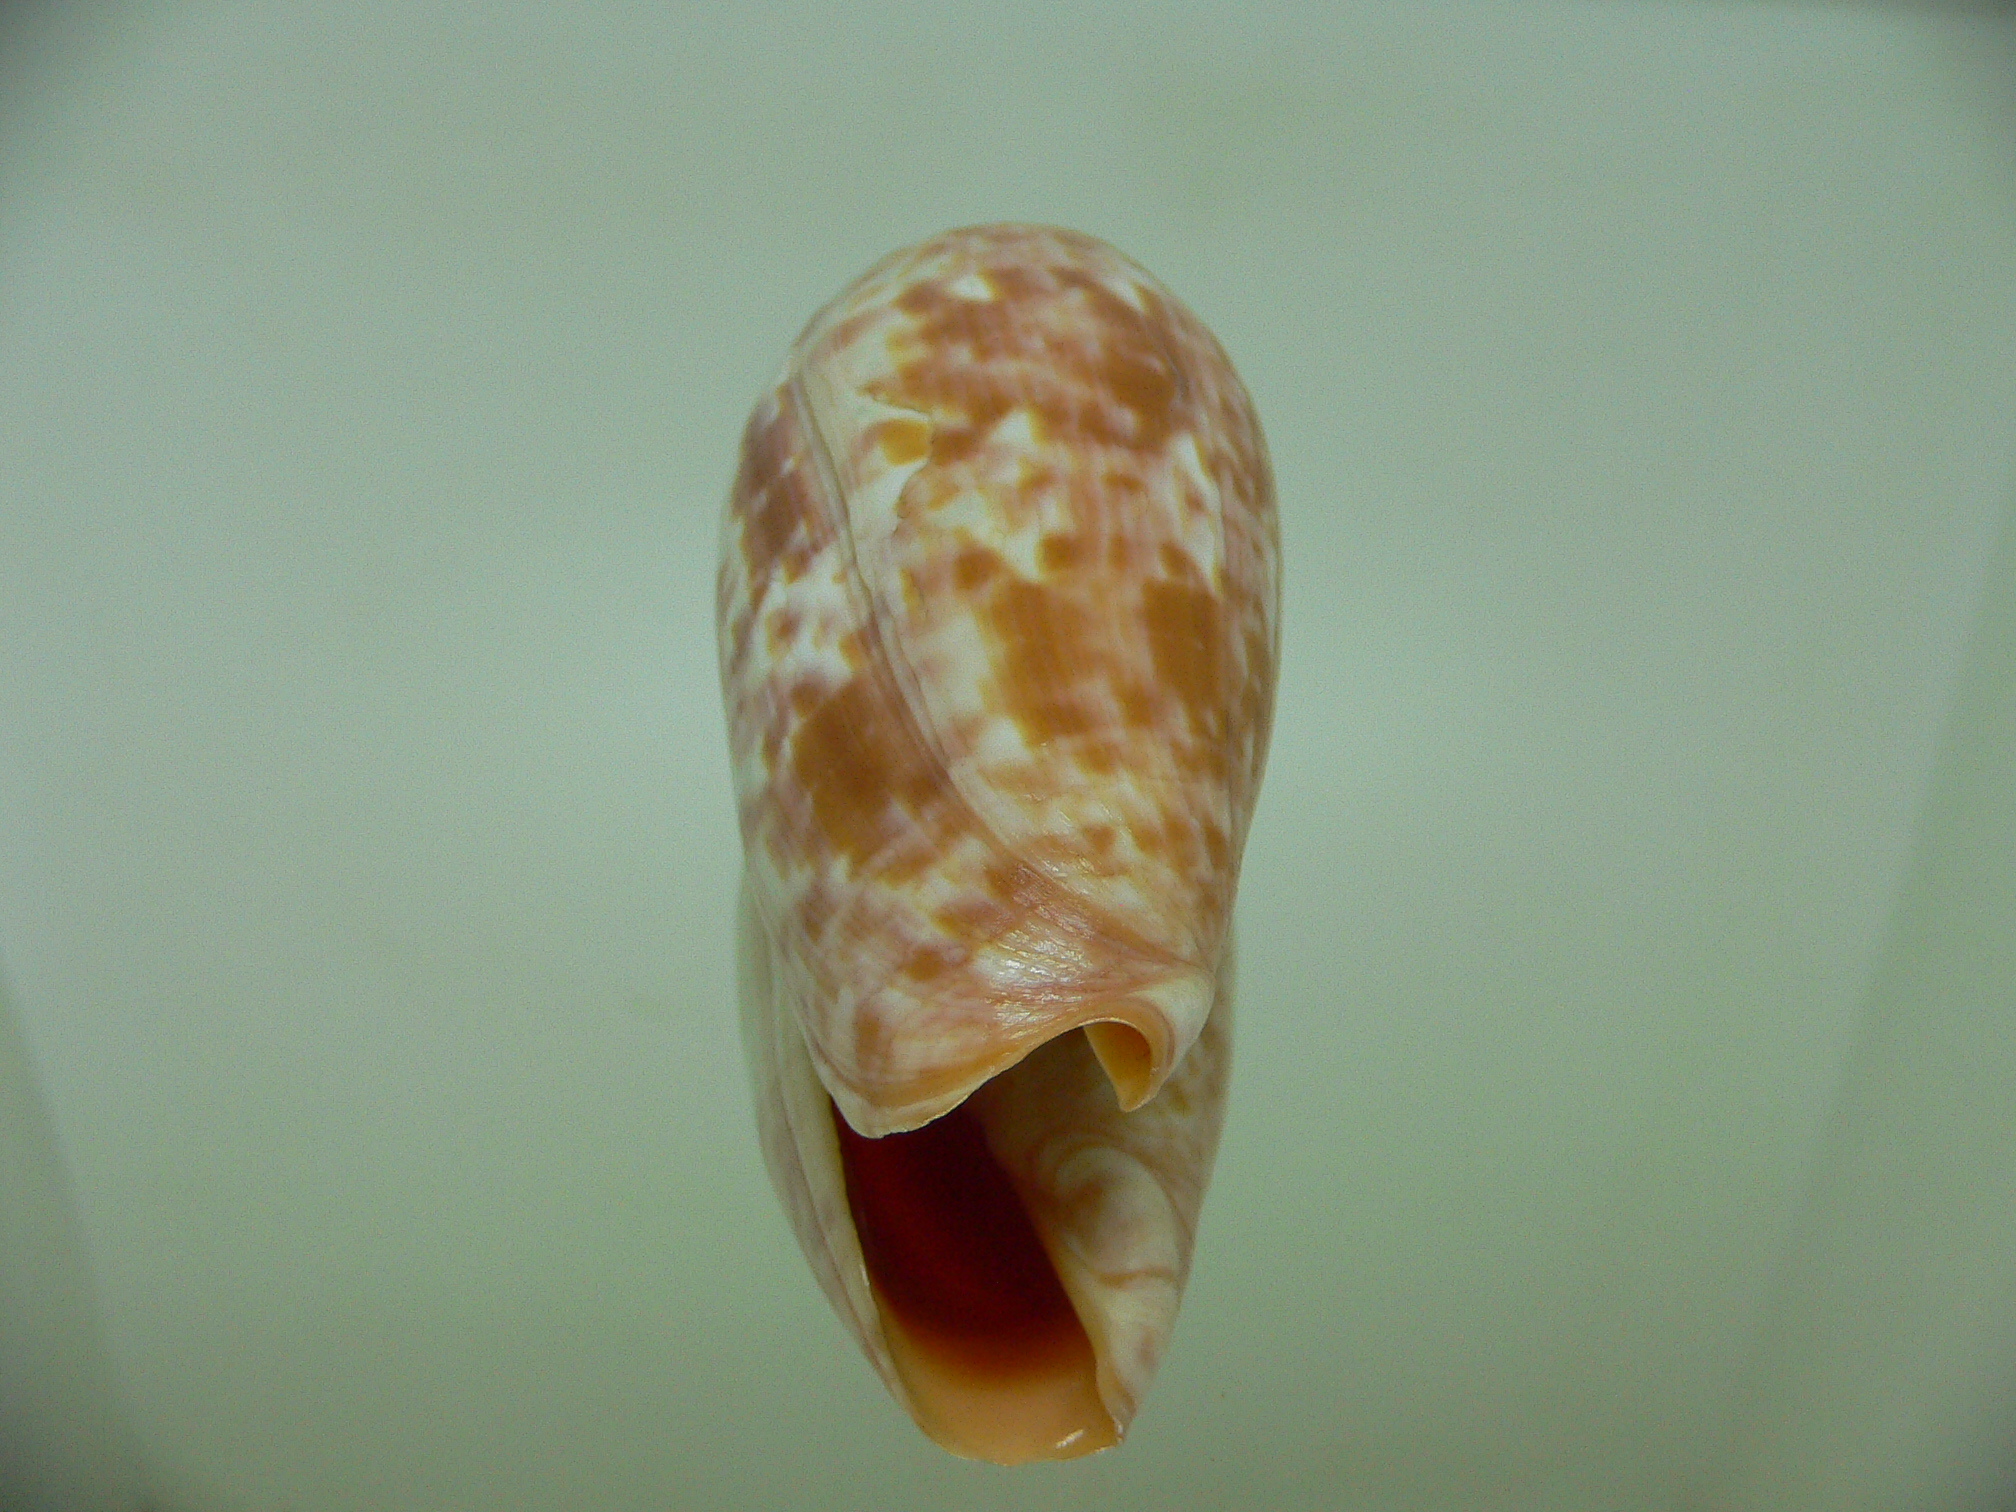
1639, 383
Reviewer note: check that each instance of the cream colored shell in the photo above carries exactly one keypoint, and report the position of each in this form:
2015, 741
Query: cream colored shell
998, 611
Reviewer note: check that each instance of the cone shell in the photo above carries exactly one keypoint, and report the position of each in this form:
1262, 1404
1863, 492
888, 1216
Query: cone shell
998, 629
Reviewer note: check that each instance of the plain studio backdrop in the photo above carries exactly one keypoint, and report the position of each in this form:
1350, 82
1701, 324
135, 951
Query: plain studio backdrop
1624, 1111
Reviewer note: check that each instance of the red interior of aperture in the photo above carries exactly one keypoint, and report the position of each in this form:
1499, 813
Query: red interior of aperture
946, 1238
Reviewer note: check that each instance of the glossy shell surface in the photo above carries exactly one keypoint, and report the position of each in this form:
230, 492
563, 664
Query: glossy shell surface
998, 627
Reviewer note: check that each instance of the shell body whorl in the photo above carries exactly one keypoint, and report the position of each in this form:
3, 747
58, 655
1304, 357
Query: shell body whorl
998, 611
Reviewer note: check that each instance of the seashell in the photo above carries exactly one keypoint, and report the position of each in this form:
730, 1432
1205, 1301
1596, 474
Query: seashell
998, 628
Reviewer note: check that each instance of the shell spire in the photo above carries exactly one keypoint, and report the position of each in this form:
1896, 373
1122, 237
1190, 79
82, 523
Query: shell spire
998, 606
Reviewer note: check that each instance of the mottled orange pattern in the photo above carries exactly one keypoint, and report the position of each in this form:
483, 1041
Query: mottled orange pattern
998, 605
998, 602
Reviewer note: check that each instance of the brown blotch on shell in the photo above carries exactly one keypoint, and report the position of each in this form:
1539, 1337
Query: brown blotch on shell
1091, 373
1185, 635
776, 534
1042, 638
857, 767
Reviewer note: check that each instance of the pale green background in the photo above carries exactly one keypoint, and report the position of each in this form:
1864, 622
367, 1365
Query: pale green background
1623, 1102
